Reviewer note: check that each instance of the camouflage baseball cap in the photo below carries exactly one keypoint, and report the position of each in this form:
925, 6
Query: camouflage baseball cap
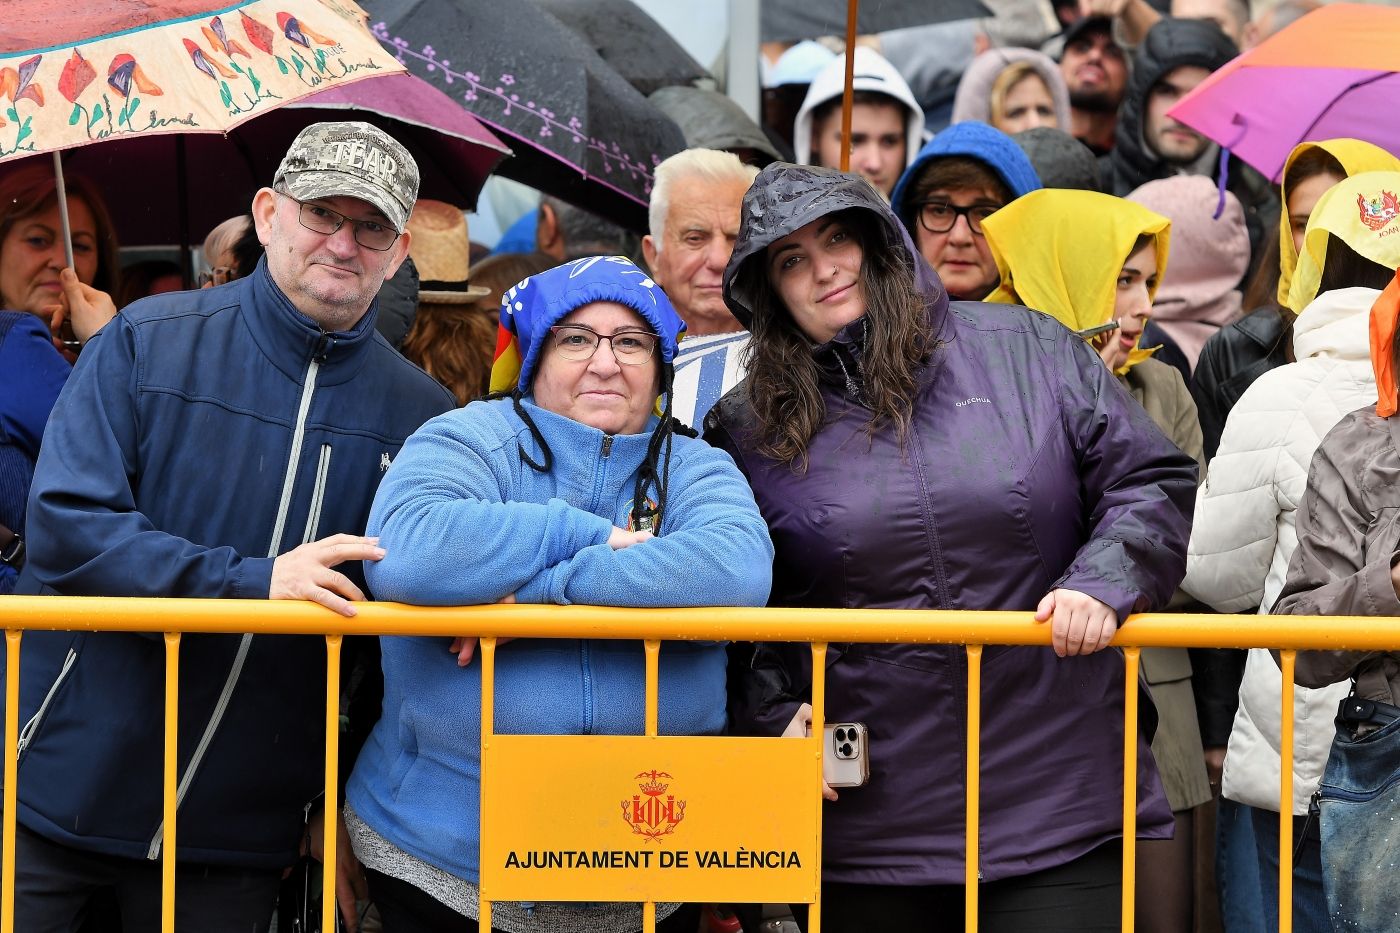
355, 160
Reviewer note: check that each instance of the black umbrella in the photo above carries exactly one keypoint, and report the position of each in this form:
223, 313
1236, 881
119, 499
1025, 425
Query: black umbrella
630, 40
792, 20
579, 131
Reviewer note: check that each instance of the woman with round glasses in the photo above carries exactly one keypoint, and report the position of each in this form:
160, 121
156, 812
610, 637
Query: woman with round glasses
959, 179
564, 487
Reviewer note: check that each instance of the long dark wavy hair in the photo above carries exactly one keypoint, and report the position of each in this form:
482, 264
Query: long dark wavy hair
783, 375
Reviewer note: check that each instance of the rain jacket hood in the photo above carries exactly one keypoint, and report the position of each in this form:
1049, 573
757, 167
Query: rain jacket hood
1060, 252
972, 140
872, 73
974, 96
1354, 156
785, 198
1210, 255
1169, 44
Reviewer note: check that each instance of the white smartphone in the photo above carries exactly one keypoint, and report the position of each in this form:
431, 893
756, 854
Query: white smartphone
845, 754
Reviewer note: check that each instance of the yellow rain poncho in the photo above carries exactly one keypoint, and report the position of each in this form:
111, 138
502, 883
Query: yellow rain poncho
1060, 251
1355, 156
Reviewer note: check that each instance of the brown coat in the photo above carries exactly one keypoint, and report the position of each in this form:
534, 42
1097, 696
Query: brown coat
1348, 534
1177, 746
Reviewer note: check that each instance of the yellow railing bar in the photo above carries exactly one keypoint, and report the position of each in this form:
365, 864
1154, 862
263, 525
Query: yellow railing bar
487, 647
331, 802
1130, 739
912, 626
652, 649
1286, 660
814, 913
7, 848
973, 858
170, 800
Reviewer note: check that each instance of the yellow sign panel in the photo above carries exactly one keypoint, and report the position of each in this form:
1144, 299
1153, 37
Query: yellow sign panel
638, 818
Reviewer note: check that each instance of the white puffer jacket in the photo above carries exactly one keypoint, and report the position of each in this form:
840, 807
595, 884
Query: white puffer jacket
1244, 533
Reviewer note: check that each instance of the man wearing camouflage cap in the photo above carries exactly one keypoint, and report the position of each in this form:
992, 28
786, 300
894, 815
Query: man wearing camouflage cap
224, 443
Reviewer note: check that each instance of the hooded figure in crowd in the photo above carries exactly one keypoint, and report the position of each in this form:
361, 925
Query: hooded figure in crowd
1348, 530
1060, 160
1175, 57
964, 175
911, 452
1013, 90
1087, 259
1244, 534
564, 488
887, 125
1241, 352
1199, 293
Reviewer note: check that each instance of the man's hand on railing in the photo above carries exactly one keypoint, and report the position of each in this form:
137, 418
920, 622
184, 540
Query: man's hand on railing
464, 646
305, 572
801, 727
350, 884
1081, 624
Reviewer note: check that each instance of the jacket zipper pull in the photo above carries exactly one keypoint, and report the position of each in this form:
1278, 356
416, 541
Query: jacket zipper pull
324, 345
607, 444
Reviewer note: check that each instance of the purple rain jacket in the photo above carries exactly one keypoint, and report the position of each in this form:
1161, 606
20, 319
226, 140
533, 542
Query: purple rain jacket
1027, 468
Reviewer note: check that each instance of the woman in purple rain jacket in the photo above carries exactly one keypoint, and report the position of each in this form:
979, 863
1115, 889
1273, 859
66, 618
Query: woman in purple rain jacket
908, 452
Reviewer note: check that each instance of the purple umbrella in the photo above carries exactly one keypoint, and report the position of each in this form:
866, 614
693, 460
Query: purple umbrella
1330, 74
144, 179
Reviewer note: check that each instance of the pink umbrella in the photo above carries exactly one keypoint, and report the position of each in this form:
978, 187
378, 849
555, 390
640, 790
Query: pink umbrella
1330, 74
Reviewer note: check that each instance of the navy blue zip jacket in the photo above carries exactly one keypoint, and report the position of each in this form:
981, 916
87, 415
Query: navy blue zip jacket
200, 435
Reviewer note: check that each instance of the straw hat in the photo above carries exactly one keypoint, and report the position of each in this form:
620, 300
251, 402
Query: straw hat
441, 251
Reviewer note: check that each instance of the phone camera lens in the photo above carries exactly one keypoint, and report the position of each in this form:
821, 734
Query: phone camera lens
846, 751
840, 735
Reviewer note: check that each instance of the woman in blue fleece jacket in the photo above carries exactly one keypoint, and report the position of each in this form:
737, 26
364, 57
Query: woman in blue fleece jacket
566, 489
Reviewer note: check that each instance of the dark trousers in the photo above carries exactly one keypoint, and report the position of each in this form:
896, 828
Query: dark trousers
404, 908
1084, 896
55, 886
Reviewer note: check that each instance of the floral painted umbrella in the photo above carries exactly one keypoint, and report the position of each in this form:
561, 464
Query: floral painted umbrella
73, 74
578, 129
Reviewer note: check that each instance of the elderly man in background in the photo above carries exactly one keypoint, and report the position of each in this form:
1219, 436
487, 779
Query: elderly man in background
694, 220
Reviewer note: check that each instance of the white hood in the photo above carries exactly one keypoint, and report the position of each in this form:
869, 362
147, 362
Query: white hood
872, 73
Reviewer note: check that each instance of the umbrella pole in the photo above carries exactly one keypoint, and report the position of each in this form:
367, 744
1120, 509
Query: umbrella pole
182, 205
63, 209
848, 96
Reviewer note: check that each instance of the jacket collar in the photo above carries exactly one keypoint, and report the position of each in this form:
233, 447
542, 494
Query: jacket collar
578, 447
1336, 325
291, 340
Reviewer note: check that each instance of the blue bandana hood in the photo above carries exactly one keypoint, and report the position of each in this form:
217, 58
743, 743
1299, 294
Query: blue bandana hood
531, 308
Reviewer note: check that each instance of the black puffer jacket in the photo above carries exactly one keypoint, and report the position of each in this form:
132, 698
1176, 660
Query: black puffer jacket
1171, 44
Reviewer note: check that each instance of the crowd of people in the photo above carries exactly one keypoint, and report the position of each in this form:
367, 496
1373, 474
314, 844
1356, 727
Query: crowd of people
1042, 348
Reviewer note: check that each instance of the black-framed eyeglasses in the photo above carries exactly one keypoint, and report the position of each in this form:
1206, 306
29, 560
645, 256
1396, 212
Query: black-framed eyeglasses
580, 342
371, 234
938, 215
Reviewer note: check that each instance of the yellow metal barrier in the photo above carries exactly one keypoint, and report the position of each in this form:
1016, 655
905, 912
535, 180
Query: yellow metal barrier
973, 629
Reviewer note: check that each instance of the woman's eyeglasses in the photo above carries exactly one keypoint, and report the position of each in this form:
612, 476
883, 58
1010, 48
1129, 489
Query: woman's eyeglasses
578, 342
939, 215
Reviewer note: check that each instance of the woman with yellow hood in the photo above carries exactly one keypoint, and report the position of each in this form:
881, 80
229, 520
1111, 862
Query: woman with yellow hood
1258, 342
1088, 260
1247, 526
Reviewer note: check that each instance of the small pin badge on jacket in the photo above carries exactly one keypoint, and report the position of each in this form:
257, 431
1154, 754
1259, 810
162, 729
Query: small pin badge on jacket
384, 462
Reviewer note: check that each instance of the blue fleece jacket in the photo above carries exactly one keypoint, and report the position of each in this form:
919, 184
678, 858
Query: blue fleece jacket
464, 521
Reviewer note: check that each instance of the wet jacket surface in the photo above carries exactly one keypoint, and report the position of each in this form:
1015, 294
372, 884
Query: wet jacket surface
200, 435
1027, 468
1348, 537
